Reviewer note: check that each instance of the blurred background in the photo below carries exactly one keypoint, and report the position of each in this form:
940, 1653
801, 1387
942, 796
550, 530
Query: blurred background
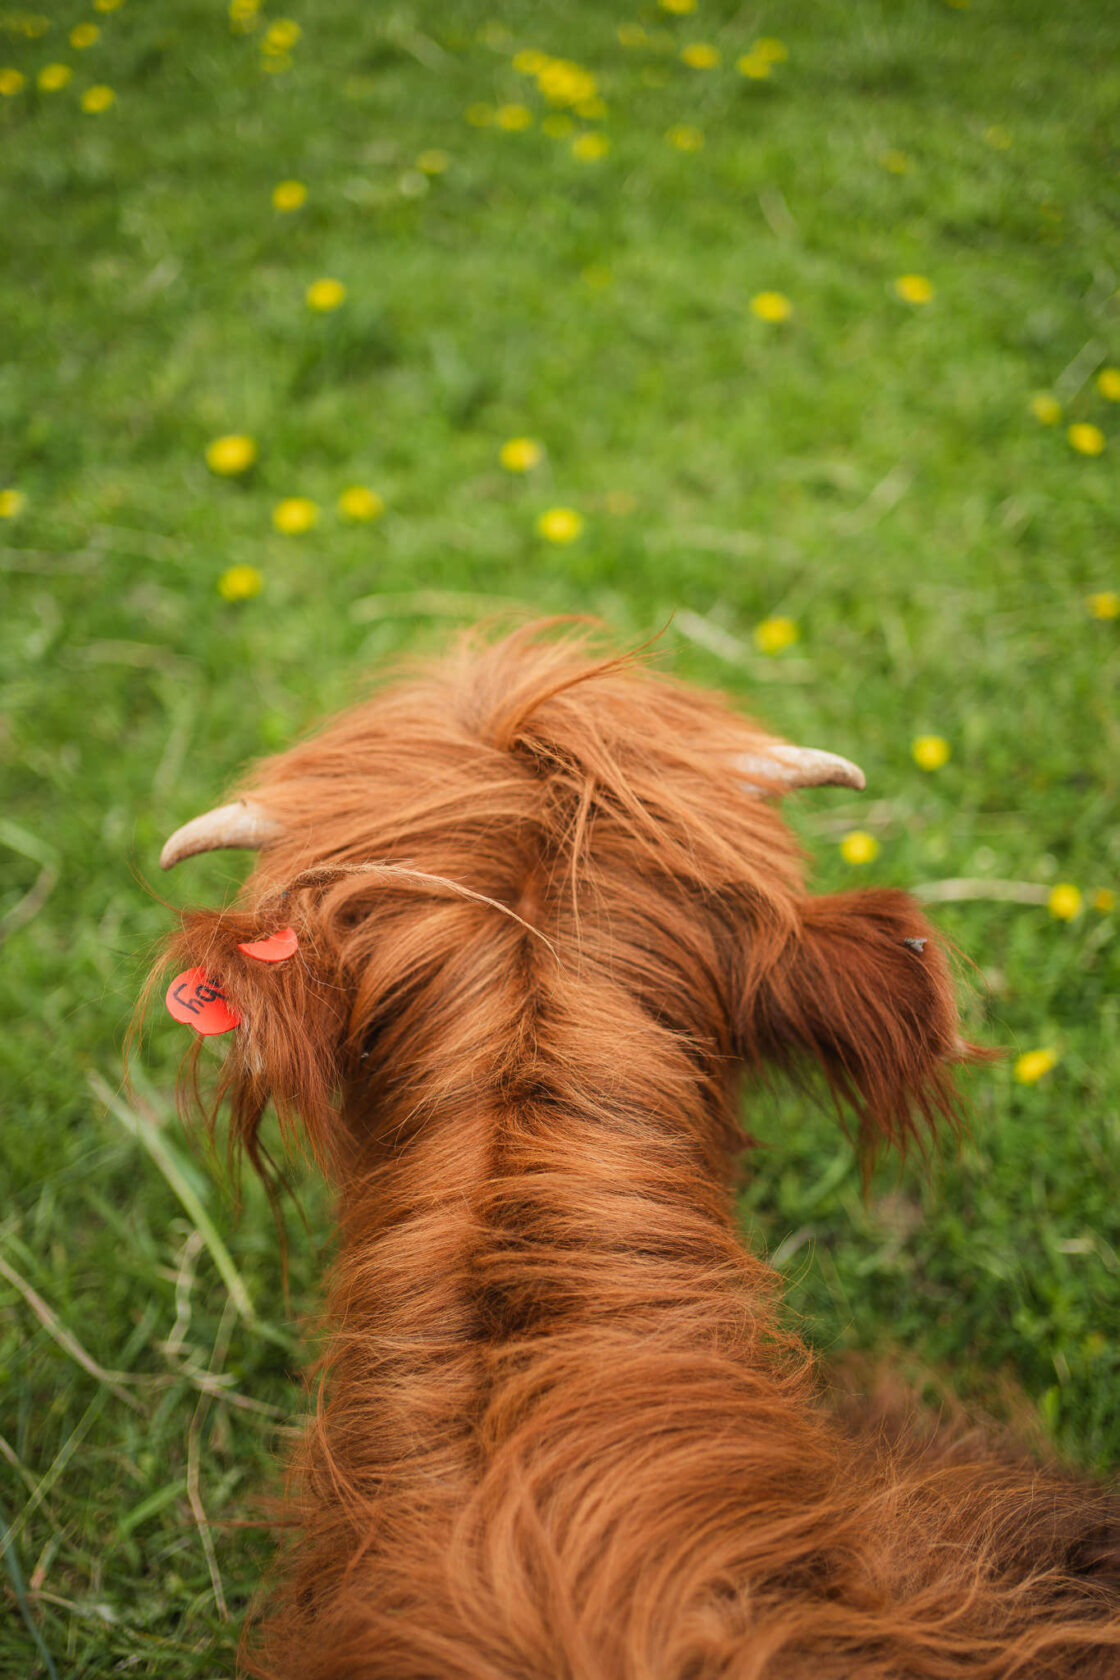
790, 331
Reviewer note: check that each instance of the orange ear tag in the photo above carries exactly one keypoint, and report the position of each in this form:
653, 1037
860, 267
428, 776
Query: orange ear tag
278, 947
198, 1003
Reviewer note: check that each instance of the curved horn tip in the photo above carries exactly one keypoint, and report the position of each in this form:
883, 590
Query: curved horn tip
799, 767
244, 825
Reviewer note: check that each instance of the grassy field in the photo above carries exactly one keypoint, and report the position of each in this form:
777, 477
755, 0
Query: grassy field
779, 318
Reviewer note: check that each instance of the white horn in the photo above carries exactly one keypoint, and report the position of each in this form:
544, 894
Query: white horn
797, 767
244, 825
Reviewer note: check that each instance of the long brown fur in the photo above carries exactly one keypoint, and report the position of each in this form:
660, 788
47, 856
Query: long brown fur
561, 1432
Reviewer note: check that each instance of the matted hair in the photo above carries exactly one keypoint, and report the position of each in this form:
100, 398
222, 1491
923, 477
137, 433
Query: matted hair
561, 1430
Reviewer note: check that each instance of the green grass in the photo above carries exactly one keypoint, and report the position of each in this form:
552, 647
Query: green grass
870, 469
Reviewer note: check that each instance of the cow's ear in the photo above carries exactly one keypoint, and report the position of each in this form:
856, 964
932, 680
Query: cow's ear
862, 988
286, 1045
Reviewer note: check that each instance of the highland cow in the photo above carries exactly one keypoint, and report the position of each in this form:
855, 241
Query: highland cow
548, 919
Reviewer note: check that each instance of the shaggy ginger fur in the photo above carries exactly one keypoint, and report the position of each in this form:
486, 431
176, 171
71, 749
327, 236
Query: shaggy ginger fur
562, 1434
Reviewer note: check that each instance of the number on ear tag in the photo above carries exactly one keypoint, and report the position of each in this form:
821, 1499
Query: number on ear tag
198, 1003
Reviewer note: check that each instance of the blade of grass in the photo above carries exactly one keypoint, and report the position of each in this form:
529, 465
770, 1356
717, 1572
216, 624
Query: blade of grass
15, 1576
67, 1341
144, 1128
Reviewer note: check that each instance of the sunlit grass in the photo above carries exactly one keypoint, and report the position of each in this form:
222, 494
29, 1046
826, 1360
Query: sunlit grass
325, 334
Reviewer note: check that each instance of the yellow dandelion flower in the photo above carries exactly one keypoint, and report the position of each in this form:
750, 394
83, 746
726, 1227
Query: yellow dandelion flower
275, 64
1104, 900
1104, 604
294, 515
324, 295
97, 99
11, 81
520, 454
679, 8
288, 195
564, 83
433, 161
685, 138
700, 55
480, 116
513, 118
1108, 383
359, 503
12, 503
997, 137
281, 36
592, 110
240, 583
560, 525
930, 752
1046, 409
631, 35
774, 634
1064, 901
107, 5
754, 66
1086, 439
1032, 1064
771, 306
52, 77
84, 35
231, 455
859, 847
913, 288
768, 46
896, 163
243, 15
596, 275
620, 502
557, 125
590, 147
530, 62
